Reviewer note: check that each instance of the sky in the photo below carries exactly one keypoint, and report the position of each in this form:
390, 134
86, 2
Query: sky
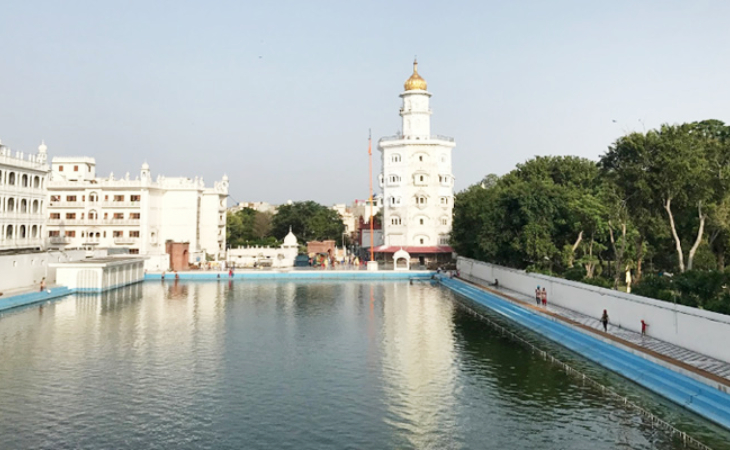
280, 95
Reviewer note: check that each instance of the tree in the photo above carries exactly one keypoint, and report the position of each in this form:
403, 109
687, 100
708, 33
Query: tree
309, 221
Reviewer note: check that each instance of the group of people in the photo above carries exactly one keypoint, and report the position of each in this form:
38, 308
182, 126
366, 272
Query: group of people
541, 296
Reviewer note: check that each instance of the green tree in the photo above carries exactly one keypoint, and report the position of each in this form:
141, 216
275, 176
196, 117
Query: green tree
309, 221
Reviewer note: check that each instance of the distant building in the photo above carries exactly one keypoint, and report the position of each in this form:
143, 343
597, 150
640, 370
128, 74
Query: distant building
417, 183
256, 206
140, 214
23, 180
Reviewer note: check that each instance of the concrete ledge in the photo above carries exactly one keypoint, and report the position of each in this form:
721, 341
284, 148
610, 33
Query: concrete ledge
709, 402
295, 275
29, 298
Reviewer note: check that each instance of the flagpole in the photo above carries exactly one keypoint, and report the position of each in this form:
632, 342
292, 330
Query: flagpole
370, 163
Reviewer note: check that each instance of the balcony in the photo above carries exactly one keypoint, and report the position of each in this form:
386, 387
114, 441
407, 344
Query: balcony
113, 204
9, 244
126, 240
90, 240
59, 204
60, 240
433, 137
92, 222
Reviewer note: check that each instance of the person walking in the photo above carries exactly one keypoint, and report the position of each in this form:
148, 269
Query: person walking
544, 298
604, 320
538, 296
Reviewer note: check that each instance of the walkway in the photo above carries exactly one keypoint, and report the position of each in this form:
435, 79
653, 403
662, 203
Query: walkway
703, 365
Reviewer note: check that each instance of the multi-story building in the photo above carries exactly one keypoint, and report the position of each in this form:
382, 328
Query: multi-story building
140, 214
416, 180
23, 181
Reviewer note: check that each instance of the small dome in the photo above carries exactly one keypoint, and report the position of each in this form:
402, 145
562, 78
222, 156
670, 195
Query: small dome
290, 239
415, 82
43, 147
225, 177
145, 166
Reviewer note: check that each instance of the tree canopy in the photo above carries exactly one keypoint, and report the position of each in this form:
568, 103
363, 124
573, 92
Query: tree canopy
661, 197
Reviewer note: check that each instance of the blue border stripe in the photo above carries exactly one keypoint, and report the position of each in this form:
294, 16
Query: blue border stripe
696, 396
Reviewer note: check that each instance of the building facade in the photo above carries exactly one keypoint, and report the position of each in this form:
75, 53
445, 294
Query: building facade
417, 181
140, 214
23, 180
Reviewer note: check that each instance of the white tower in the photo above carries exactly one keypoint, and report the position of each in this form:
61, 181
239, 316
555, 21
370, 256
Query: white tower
417, 183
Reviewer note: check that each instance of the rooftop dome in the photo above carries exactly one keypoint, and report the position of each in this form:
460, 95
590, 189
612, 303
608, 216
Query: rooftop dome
415, 82
290, 239
145, 166
43, 147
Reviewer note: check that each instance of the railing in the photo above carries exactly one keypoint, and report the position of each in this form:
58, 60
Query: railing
433, 137
56, 240
125, 240
65, 204
113, 204
20, 243
68, 222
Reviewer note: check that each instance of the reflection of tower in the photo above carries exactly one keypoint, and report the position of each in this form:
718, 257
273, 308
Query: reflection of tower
416, 180
419, 367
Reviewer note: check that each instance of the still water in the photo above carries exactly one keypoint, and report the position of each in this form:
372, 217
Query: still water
283, 365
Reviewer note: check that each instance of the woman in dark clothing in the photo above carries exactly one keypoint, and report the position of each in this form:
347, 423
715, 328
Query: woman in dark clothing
604, 320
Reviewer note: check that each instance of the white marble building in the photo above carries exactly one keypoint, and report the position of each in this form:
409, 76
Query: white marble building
23, 181
141, 213
416, 181
261, 256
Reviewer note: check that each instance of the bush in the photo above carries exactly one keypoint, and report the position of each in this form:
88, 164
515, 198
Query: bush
598, 281
575, 273
654, 286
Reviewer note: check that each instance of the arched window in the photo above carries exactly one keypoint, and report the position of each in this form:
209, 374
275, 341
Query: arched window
444, 220
11, 178
395, 220
421, 200
36, 182
11, 204
9, 232
93, 215
34, 231
395, 158
35, 206
24, 182
22, 232
93, 197
24, 206
444, 201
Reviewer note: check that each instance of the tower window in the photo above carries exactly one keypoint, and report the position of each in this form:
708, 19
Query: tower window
420, 158
395, 221
421, 240
421, 221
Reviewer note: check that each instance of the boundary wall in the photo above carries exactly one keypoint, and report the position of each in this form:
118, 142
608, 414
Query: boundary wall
296, 275
22, 270
33, 297
695, 329
692, 394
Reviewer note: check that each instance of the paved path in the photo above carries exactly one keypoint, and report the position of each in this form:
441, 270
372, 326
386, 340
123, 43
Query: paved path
692, 358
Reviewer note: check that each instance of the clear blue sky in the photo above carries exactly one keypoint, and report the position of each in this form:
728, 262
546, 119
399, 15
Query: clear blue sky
280, 95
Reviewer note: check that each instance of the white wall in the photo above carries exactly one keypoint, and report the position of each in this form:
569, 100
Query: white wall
695, 329
26, 270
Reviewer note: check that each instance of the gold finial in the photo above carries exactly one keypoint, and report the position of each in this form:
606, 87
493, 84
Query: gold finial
415, 82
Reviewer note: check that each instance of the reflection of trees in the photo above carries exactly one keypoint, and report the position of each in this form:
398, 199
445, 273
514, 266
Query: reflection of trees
517, 372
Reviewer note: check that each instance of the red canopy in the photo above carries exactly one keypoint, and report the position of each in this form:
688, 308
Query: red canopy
413, 249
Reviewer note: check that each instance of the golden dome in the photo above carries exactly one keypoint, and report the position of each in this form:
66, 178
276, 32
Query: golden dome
415, 82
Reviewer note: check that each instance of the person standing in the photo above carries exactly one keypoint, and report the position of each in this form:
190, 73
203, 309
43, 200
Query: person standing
604, 320
538, 296
43, 284
643, 327
544, 298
